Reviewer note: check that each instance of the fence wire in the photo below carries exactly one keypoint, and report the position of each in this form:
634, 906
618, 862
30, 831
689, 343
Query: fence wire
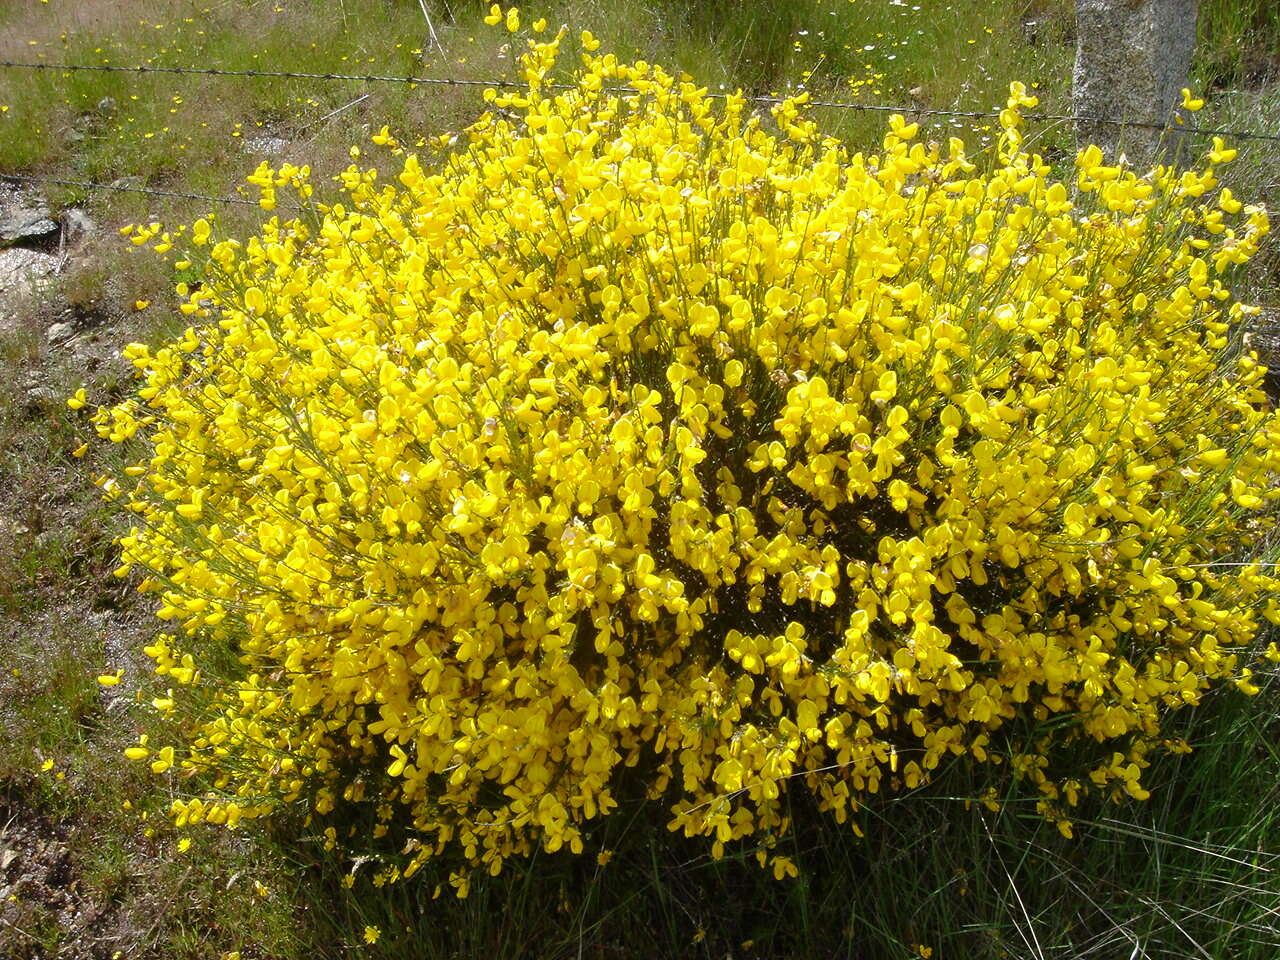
907, 110
128, 188
459, 82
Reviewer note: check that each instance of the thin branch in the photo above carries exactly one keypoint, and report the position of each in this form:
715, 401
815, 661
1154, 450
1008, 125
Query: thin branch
431, 27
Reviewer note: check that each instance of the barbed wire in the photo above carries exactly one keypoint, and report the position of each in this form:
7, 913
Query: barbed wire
124, 188
498, 83
460, 82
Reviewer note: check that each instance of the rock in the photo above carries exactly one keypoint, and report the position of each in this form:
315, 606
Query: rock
13, 528
23, 271
24, 218
265, 146
107, 106
25, 275
59, 333
1132, 61
77, 227
41, 400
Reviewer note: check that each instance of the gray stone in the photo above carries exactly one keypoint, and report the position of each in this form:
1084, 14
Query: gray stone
1132, 61
41, 400
265, 146
59, 333
77, 227
12, 528
24, 218
23, 270
107, 106
25, 276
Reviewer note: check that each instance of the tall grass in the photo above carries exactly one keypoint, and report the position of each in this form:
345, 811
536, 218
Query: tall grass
930, 54
1194, 872
1238, 42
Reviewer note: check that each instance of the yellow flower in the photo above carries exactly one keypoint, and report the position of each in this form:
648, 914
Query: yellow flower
164, 758
518, 476
371, 934
1189, 102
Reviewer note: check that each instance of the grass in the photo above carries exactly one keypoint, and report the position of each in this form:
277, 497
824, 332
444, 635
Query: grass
63, 786
1193, 872
1256, 174
1239, 42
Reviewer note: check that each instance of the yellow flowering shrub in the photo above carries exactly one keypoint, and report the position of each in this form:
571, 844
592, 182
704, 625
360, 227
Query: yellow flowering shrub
652, 446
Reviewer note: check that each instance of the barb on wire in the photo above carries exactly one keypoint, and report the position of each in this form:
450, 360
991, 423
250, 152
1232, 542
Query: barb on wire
88, 185
274, 74
458, 82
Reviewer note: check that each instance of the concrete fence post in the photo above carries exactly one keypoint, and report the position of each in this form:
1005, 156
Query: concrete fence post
1133, 58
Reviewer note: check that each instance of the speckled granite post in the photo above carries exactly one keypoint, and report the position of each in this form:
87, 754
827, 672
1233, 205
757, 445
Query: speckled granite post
1132, 61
